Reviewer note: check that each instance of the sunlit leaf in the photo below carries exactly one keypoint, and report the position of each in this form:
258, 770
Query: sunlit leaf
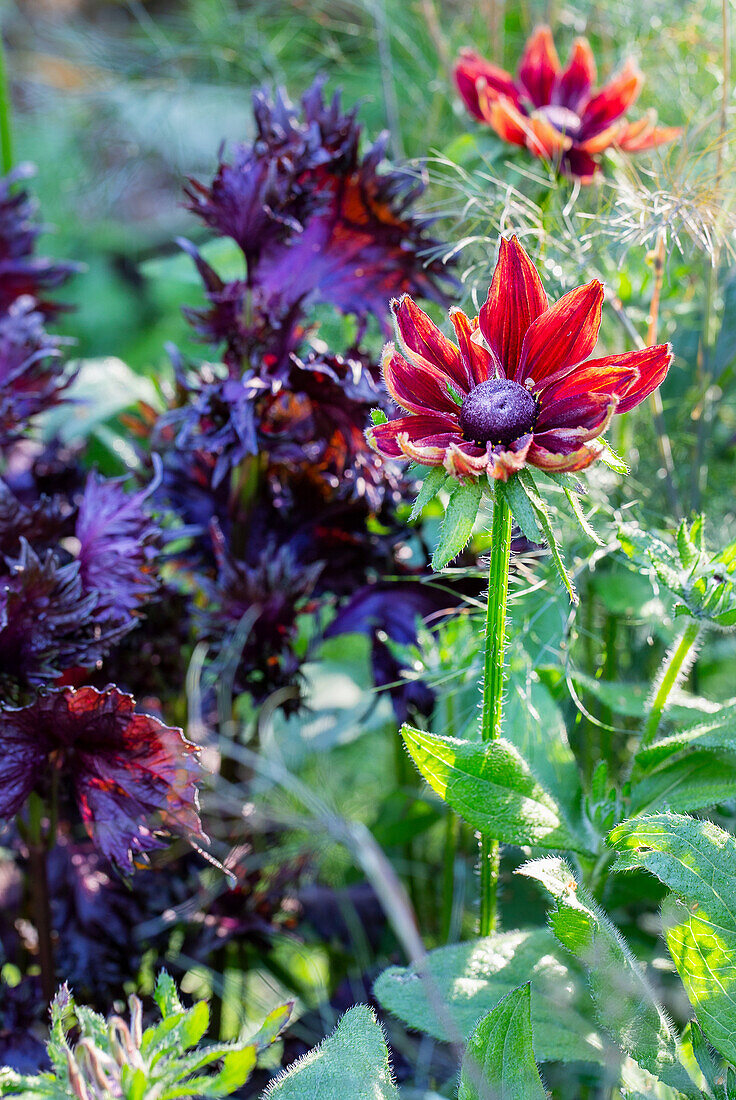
457, 526
498, 1063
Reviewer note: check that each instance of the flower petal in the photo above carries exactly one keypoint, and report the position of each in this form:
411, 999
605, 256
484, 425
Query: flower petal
539, 66
599, 142
652, 365
427, 345
574, 83
613, 100
477, 357
470, 69
613, 374
563, 336
516, 299
505, 117
463, 460
579, 164
422, 430
634, 137
579, 459
505, 463
545, 140
418, 389
578, 415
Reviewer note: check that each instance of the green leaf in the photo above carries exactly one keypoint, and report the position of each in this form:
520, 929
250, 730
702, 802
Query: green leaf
571, 488
498, 1063
272, 1027
454, 986
457, 526
625, 1004
522, 509
433, 480
692, 782
543, 516
378, 416
612, 460
490, 785
351, 1063
697, 861
166, 996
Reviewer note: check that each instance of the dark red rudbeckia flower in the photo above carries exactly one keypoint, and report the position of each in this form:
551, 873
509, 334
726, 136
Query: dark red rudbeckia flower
518, 387
124, 767
557, 113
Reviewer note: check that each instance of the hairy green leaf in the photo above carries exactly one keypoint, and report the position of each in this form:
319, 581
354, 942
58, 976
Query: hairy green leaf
498, 1063
692, 782
543, 516
433, 480
490, 785
458, 984
352, 1062
625, 1003
697, 861
457, 526
522, 509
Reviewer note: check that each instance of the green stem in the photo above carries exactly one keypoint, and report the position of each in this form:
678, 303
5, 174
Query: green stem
672, 667
492, 706
6, 132
452, 834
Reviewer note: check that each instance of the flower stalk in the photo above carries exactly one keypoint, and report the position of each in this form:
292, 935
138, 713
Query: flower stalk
492, 703
673, 668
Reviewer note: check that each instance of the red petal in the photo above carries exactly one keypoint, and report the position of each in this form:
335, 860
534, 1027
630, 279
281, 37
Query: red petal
476, 356
574, 84
613, 100
418, 389
577, 460
563, 336
427, 345
472, 68
431, 431
613, 374
601, 141
579, 164
545, 140
634, 137
652, 365
463, 460
505, 118
515, 300
539, 67
506, 463
579, 414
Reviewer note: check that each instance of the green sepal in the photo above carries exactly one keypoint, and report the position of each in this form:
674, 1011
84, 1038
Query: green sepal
612, 460
522, 509
543, 516
378, 416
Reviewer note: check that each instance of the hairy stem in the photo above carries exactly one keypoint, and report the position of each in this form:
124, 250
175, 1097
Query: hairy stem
452, 836
671, 671
6, 132
39, 890
492, 705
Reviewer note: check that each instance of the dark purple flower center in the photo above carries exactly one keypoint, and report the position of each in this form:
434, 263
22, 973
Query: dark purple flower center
562, 118
497, 411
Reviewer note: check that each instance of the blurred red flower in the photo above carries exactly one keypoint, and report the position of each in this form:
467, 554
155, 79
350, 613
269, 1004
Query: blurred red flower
516, 389
557, 113
124, 767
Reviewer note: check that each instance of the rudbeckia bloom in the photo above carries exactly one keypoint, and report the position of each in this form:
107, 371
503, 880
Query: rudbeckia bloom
518, 388
557, 113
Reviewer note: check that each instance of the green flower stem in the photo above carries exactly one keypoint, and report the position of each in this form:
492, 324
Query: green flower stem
6, 133
452, 838
671, 671
39, 888
492, 706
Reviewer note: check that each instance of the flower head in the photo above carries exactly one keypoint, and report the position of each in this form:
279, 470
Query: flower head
22, 273
32, 374
557, 113
124, 767
518, 387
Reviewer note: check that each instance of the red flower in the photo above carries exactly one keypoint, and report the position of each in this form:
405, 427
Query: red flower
518, 387
124, 767
555, 112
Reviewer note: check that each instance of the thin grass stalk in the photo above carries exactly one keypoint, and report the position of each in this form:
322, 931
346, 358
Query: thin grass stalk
675, 666
700, 478
492, 703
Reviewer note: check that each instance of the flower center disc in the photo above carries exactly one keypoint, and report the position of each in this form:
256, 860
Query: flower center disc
497, 411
